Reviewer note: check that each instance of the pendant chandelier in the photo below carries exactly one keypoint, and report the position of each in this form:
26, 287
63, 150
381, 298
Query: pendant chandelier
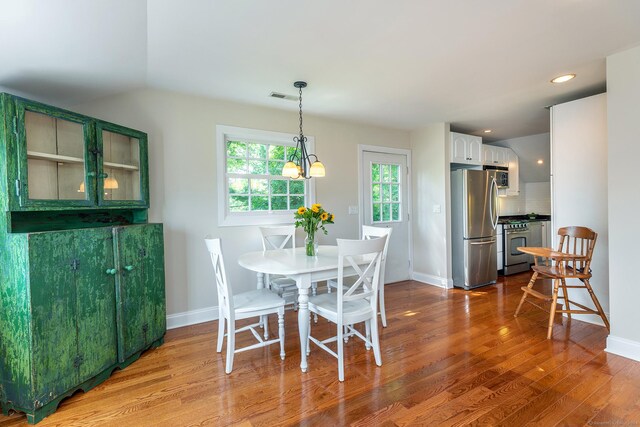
300, 165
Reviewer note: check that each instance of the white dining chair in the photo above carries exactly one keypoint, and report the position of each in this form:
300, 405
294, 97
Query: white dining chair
355, 303
369, 232
280, 237
255, 303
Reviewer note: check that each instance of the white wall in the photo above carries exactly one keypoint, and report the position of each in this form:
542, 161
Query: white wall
182, 147
530, 149
623, 99
579, 183
431, 231
534, 197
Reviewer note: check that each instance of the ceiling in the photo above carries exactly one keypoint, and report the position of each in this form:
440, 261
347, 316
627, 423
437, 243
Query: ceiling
401, 64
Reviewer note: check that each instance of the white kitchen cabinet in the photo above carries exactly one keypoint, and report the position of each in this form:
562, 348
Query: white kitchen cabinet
495, 156
466, 149
514, 179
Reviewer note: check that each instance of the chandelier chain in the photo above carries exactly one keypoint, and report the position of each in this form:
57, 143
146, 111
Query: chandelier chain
300, 107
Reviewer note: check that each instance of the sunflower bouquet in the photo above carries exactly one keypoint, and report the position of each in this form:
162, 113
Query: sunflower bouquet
311, 219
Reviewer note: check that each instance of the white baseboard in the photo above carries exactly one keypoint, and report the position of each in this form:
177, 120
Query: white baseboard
440, 282
623, 347
192, 317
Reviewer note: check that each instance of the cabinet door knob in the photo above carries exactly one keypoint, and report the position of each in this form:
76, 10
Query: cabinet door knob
104, 175
91, 174
111, 271
128, 267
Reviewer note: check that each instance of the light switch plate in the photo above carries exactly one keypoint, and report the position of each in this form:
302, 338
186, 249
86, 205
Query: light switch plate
436, 208
353, 210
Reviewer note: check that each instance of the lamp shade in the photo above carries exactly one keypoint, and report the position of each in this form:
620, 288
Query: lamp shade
290, 170
317, 169
110, 183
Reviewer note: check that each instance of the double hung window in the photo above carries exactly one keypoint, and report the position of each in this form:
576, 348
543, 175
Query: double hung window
250, 178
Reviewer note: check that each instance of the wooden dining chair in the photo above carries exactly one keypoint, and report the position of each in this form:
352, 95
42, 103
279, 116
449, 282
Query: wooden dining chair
370, 232
352, 304
578, 241
280, 237
245, 305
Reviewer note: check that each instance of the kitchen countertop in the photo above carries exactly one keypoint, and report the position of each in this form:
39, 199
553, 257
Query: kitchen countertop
526, 218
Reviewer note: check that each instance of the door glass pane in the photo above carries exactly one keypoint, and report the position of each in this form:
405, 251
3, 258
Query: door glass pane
55, 158
385, 188
386, 212
376, 212
121, 164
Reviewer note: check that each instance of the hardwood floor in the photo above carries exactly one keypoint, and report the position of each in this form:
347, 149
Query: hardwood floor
450, 357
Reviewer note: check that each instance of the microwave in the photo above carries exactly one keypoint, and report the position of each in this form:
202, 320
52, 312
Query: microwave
502, 175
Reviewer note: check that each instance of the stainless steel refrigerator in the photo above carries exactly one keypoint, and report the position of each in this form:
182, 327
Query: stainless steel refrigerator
474, 218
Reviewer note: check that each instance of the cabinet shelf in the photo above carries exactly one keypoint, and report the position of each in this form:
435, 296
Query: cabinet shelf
68, 159
53, 157
120, 166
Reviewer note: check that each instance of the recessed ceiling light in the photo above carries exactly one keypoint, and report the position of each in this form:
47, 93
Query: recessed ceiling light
487, 131
540, 162
563, 78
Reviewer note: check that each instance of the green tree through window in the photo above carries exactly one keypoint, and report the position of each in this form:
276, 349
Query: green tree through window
253, 178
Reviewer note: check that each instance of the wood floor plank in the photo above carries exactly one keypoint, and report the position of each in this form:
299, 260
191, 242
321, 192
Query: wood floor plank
450, 357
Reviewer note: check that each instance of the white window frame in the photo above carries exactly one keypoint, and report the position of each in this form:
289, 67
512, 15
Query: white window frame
227, 218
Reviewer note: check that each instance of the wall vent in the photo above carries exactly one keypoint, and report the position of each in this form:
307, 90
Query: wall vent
279, 95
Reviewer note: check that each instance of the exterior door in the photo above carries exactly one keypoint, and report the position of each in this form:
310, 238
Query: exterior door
140, 287
386, 204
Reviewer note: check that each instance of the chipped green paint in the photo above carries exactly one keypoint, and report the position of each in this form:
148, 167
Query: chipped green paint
66, 322
16, 180
139, 286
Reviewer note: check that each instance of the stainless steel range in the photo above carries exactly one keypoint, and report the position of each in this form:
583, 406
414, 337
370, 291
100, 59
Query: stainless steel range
516, 233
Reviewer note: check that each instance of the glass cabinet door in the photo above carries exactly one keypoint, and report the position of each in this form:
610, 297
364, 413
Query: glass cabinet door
122, 173
53, 159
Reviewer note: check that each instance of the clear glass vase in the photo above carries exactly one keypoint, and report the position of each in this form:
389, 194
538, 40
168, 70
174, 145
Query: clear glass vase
310, 244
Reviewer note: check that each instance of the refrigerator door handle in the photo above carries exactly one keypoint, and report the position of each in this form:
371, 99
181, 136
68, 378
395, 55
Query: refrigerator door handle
490, 242
493, 206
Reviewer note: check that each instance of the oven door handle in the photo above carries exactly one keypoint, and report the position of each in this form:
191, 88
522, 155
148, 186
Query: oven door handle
517, 232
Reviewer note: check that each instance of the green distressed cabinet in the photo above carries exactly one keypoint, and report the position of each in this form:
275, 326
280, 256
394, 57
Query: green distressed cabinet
82, 288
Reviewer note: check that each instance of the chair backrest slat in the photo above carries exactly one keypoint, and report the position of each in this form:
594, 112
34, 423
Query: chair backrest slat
352, 253
579, 241
225, 293
278, 237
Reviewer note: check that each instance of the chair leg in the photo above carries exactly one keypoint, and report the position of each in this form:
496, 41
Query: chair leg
281, 331
565, 294
552, 311
340, 344
383, 315
265, 320
534, 276
367, 328
375, 341
597, 304
231, 346
308, 335
221, 321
